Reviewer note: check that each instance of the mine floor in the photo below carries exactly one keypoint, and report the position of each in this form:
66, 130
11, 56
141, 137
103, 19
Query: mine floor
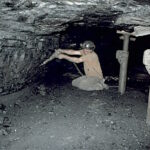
61, 117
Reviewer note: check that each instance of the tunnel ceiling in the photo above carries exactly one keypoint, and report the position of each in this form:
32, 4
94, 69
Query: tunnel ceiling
30, 30
46, 16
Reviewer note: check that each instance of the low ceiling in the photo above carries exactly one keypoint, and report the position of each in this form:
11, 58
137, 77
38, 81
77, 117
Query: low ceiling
47, 16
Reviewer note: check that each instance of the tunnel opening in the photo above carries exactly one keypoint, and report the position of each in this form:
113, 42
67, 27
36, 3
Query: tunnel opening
107, 43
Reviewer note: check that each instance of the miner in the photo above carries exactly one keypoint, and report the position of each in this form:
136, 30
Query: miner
93, 78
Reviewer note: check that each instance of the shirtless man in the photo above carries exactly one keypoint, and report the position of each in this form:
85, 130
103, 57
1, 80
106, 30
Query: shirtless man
93, 78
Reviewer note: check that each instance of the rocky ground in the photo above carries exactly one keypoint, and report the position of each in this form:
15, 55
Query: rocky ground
61, 117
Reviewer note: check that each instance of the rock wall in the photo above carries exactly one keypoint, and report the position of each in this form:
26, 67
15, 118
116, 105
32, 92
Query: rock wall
30, 30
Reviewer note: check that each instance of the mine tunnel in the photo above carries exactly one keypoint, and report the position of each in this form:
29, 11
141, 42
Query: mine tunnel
107, 43
41, 107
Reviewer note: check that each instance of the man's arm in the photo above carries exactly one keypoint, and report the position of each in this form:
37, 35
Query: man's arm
71, 59
60, 54
70, 52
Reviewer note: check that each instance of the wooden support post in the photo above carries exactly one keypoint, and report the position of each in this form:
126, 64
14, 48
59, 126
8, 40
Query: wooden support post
122, 56
124, 66
146, 62
148, 110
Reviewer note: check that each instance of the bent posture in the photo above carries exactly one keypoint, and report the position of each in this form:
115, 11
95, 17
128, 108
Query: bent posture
93, 79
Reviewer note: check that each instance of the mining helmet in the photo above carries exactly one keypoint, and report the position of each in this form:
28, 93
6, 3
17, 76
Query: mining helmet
88, 45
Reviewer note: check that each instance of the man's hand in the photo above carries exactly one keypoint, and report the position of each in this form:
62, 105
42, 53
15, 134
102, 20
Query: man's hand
58, 51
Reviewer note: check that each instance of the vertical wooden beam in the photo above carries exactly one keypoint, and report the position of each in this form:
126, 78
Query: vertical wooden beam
148, 107
124, 66
148, 110
146, 62
122, 56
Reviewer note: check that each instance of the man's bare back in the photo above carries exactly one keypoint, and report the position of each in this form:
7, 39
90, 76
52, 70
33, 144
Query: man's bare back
92, 65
